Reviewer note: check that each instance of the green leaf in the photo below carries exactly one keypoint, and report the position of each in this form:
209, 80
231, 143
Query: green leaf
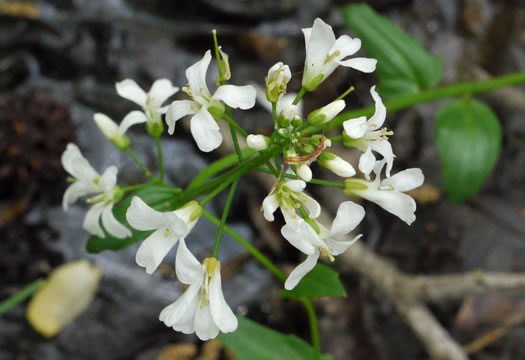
469, 142
159, 197
321, 281
252, 341
404, 67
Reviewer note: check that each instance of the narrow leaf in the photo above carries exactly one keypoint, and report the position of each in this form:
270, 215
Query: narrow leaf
404, 67
252, 341
469, 142
321, 281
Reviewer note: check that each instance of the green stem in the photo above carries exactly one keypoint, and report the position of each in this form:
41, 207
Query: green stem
345, 93
313, 327
141, 164
249, 247
161, 158
225, 212
471, 88
313, 181
274, 114
235, 140
235, 125
216, 191
218, 166
299, 96
336, 139
20, 296
132, 187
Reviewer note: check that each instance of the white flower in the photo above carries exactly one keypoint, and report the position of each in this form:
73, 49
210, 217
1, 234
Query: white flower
278, 77
169, 227
366, 136
324, 242
150, 102
202, 308
112, 131
288, 196
202, 105
335, 164
87, 181
324, 54
258, 142
389, 193
326, 113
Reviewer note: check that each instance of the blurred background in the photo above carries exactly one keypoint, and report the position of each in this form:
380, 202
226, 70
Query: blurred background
59, 61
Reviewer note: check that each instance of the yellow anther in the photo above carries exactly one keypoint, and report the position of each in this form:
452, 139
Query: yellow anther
167, 233
332, 56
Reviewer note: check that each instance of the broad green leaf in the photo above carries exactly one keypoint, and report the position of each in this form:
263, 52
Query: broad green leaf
157, 196
321, 281
469, 142
252, 341
404, 67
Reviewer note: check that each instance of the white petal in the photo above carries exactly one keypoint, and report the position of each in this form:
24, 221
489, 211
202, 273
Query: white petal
397, 203
133, 118
154, 249
384, 148
177, 110
108, 180
111, 224
187, 267
346, 45
223, 316
338, 247
295, 185
301, 270
367, 162
205, 327
270, 204
242, 97
92, 220
196, 75
365, 65
205, 131
377, 120
301, 236
129, 89
320, 40
349, 215
176, 311
73, 192
312, 206
356, 128
76, 165
142, 217
186, 323
108, 127
161, 90
405, 180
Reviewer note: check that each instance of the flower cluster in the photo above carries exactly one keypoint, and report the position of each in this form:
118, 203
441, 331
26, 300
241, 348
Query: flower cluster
202, 308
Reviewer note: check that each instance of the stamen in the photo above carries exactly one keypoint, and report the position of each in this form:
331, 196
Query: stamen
332, 56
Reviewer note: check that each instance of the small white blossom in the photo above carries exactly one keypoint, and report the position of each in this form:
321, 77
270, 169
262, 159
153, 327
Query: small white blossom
367, 136
202, 308
326, 113
278, 77
335, 164
389, 193
150, 102
87, 181
324, 242
169, 227
288, 196
202, 105
324, 54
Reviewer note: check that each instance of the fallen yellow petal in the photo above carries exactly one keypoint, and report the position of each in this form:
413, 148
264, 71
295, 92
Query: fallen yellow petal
67, 293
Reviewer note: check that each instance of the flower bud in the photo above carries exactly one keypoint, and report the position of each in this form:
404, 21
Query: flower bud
335, 164
288, 115
326, 113
258, 142
111, 130
304, 172
276, 81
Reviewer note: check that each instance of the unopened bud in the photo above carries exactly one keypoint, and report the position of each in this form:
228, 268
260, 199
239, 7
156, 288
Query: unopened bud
258, 142
335, 164
304, 172
288, 115
326, 113
276, 81
111, 130
224, 68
